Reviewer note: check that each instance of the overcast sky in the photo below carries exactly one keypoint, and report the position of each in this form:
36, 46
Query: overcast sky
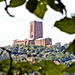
18, 27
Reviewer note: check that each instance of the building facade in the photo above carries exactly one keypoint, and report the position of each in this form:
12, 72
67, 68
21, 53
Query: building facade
36, 30
36, 36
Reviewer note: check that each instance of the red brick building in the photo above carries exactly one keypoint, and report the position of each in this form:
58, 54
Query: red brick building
36, 30
36, 36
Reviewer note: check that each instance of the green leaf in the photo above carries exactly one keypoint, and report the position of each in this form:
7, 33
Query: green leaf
71, 68
31, 5
71, 47
58, 7
41, 8
50, 68
52, 4
15, 3
66, 25
35, 67
21, 64
2, 0
37, 7
4, 65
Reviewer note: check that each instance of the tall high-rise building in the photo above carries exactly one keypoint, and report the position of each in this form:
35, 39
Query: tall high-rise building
36, 30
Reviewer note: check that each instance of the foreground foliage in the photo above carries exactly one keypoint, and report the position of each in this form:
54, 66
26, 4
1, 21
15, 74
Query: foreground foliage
47, 67
71, 47
44, 66
38, 7
66, 24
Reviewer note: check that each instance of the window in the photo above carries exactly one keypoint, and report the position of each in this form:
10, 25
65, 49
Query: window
38, 28
31, 28
31, 35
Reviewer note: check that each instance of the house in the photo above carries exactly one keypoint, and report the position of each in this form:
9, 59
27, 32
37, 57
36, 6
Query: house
30, 59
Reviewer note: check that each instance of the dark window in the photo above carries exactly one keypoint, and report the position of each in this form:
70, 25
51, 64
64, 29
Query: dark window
25, 42
31, 35
31, 28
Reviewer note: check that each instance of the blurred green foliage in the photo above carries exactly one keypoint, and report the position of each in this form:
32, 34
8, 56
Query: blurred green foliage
15, 3
2, 0
38, 7
71, 47
66, 25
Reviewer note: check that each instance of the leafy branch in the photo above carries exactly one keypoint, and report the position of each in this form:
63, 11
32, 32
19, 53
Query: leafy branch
37, 7
6, 9
9, 52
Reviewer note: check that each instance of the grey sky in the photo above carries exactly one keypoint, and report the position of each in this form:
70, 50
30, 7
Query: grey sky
18, 27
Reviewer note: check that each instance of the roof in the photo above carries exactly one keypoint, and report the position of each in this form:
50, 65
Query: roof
18, 40
42, 38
